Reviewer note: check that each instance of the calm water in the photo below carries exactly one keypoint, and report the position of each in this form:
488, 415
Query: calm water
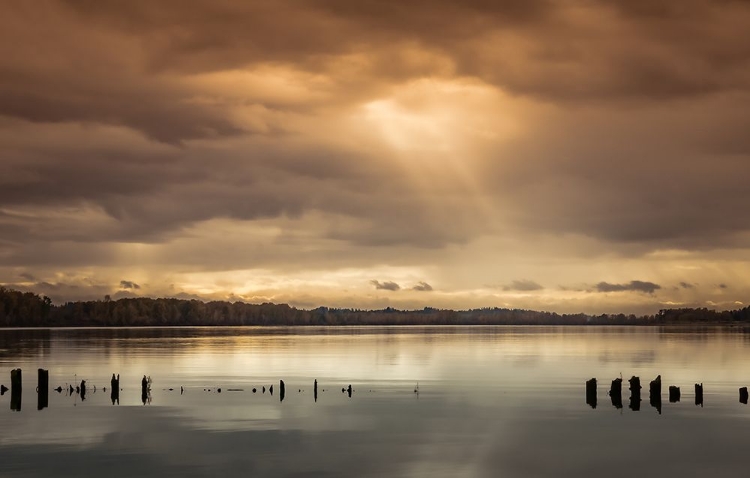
493, 401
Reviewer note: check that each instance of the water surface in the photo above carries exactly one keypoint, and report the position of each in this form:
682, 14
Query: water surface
492, 401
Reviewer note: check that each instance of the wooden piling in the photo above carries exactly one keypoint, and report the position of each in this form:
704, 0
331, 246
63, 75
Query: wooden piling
635, 393
16, 389
42, 389
655, 393
591, 392
315, 390
699, 394
114, 392
674, 394
743, 395
282, 390
615, 393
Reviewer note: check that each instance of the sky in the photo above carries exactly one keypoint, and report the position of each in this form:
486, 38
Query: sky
570, 156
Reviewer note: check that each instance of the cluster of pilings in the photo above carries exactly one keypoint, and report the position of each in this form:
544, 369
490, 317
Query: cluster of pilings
80, 389
654, 393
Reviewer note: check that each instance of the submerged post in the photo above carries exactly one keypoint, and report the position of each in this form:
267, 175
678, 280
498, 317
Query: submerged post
699, 394
591, 392
15, 389
282, 390
114, 391
349, 390
615, 393
635, 393
743, 395
655, 393
144, 390
42, 389
674, 394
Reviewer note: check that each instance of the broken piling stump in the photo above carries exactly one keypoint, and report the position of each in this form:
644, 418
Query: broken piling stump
42, 389
591, 392
114, 393
15, 389
699, 394
635, 393
654, 393
674, 394
144, 390
615, 393
3, 389
743, 395
655, 386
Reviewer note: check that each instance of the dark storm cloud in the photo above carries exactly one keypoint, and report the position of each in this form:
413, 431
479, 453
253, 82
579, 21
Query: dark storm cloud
723, 286
121, 62
545, 48
126, 284
422, 287
385, 285
687, 285
632, 286
523, 286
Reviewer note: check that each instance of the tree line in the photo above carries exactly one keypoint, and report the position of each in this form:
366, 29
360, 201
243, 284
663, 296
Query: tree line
26, 309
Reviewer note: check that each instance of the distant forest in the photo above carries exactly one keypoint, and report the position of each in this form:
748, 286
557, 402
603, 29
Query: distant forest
26, 309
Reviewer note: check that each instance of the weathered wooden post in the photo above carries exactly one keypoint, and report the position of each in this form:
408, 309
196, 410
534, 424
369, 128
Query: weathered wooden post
144, 390
315, 390
635, 393
699, 394
114, 392
349, 390
655, 393
282, 390
743, 395
674, 394
15, 389
3, 389
615, 393
591, 398
42, 389
83, 390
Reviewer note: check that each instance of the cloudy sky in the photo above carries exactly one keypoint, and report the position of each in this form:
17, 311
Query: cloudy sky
572, 156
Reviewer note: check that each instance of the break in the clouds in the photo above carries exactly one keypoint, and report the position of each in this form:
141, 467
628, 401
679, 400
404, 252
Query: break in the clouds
277, 150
